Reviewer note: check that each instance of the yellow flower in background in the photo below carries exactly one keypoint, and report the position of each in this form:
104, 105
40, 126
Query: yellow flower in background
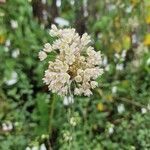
117, 22
126, 42
109, 98
2, 39
116, 46
147, 40
147, 11
100, 107
148, 19
134, 2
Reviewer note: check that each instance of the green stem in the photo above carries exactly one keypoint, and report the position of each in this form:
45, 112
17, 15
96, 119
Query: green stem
69, 116
52, 105
51, 113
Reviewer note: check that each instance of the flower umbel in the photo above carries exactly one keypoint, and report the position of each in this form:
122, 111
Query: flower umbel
76, 66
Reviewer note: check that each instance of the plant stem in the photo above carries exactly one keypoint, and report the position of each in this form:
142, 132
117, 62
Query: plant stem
132, 102
69, 116
51, 112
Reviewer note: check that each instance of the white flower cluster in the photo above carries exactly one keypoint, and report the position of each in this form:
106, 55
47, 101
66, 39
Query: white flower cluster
8, 126
37, 147
76, 63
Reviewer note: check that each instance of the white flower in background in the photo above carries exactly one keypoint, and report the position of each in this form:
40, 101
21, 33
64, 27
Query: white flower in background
15, 53
129, 9
42, 147
121, 108
148, 61
76, 63
100, 35
8, 126
140, 50
107, 68
13, 78
111, 7
58, 3
4, 127
85, 11
45, 15
35, 148
67, 136
133, 22
7, 43
68, 100
117, 55
123, 54
122, 5
111, 129
43, 1
114, 89
28, 148
14, 24
144, 110
134, 39
119, 67
105, 61
72, 2
136, 63
61, 21
73, 121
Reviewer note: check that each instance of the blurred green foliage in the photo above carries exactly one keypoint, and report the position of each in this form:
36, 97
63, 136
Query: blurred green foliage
117, 116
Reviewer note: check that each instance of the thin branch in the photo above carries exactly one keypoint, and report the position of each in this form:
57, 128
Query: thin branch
132, 102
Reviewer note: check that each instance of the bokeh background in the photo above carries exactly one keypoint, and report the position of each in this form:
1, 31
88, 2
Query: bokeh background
117, 116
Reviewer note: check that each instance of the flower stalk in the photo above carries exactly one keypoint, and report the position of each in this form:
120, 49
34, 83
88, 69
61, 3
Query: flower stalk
51, 114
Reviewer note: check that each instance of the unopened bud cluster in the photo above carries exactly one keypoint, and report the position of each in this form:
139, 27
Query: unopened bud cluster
76, 64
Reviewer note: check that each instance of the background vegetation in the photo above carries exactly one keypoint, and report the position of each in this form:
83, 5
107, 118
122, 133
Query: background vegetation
116, 117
